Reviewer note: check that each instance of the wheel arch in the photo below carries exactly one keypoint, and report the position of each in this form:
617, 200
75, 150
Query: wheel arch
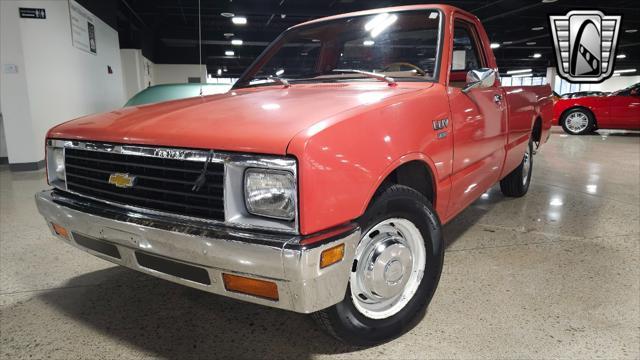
536, 131
413, 171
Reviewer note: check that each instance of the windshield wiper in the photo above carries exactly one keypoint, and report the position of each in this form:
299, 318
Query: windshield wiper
275, 79
381, 77
279, 80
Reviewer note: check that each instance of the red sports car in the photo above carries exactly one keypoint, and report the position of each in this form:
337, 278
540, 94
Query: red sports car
618, 110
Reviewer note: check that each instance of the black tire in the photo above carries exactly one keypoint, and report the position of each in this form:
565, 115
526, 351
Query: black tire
591, 125
343, 320
514, 184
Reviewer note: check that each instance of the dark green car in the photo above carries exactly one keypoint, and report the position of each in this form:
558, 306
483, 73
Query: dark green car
166, 92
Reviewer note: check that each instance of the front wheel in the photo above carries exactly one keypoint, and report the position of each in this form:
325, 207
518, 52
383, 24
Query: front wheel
578, 122
516, 184
395, 272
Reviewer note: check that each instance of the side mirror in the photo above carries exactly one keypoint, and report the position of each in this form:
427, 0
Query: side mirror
481, 78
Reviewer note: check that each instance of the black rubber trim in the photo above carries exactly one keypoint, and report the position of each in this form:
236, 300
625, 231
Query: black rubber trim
96, 245
170, 267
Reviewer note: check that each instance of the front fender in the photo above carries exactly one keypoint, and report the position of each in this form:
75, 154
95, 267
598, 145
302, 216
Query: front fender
343, 159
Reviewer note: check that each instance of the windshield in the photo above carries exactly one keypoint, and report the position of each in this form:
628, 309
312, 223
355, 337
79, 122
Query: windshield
403, 45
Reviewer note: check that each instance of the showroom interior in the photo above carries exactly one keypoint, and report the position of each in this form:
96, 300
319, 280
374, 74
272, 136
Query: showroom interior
175, 84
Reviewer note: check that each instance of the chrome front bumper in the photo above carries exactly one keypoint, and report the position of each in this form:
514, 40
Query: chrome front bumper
284, 259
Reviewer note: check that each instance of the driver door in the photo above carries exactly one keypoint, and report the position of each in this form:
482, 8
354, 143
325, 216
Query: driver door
624, 108
479, 121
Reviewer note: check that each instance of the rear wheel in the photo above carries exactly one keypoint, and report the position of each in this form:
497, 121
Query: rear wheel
516, 184
578, 122
395, 271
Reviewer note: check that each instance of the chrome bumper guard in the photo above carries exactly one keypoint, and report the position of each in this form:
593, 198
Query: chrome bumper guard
199, 253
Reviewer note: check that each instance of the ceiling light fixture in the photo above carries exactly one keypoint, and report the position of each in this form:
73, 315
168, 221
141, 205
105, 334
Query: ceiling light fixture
495, 45
623, 71
530, 42
549, 1
621, 56
507, 43
239, 20
228, 35
229, 53
227, 14
537, 28
219, 72
536, 56
631, 31
368, 43
236, 42
518, 71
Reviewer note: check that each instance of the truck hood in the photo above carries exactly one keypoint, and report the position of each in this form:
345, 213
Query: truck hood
258, 120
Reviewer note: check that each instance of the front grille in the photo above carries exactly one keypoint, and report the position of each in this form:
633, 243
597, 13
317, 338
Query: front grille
162, 184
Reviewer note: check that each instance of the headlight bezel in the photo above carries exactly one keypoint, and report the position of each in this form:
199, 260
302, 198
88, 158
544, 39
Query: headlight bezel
292, 189
56, 167
236, 209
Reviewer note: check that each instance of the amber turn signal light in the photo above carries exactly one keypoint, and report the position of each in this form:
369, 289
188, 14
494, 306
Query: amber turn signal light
331, 256
249, 286
60, 230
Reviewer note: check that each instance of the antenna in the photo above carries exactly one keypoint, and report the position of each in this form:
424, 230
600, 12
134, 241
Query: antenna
200, 46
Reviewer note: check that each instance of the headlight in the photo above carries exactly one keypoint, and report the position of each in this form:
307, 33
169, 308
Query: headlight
55, 167
270, 193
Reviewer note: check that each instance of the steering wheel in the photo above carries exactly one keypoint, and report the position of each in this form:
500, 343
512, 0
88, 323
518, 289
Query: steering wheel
414, 67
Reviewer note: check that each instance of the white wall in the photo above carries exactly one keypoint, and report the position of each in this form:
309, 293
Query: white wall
138, 71
177, 74
55, 82
3, 142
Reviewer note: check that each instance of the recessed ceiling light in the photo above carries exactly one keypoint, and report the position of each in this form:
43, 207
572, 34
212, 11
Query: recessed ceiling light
622, 71
368, 43
229, 53
530, 42
631, 31
227, 14
621, 56
536, 56
239, 20
236, 42
518, 71
495, 45
537, 28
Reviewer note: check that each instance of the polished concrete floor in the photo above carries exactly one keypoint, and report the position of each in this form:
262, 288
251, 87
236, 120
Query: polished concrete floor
555, 274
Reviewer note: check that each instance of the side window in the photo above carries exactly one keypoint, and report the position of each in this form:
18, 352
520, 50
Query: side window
466, 54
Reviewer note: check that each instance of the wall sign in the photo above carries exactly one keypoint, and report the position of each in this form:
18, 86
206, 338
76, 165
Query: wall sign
33, 13
83, 30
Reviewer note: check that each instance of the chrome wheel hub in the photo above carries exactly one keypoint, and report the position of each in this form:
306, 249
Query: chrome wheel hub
390, 264
577, 122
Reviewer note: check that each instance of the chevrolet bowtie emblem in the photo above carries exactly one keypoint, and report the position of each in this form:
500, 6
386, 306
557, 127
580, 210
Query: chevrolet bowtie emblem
122, 180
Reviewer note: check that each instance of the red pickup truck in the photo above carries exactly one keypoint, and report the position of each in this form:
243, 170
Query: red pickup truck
319, 184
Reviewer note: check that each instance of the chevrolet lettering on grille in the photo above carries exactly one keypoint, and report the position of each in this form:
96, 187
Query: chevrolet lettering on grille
122, 180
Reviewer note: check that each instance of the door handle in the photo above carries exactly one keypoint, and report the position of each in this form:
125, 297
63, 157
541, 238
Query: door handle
497, 99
